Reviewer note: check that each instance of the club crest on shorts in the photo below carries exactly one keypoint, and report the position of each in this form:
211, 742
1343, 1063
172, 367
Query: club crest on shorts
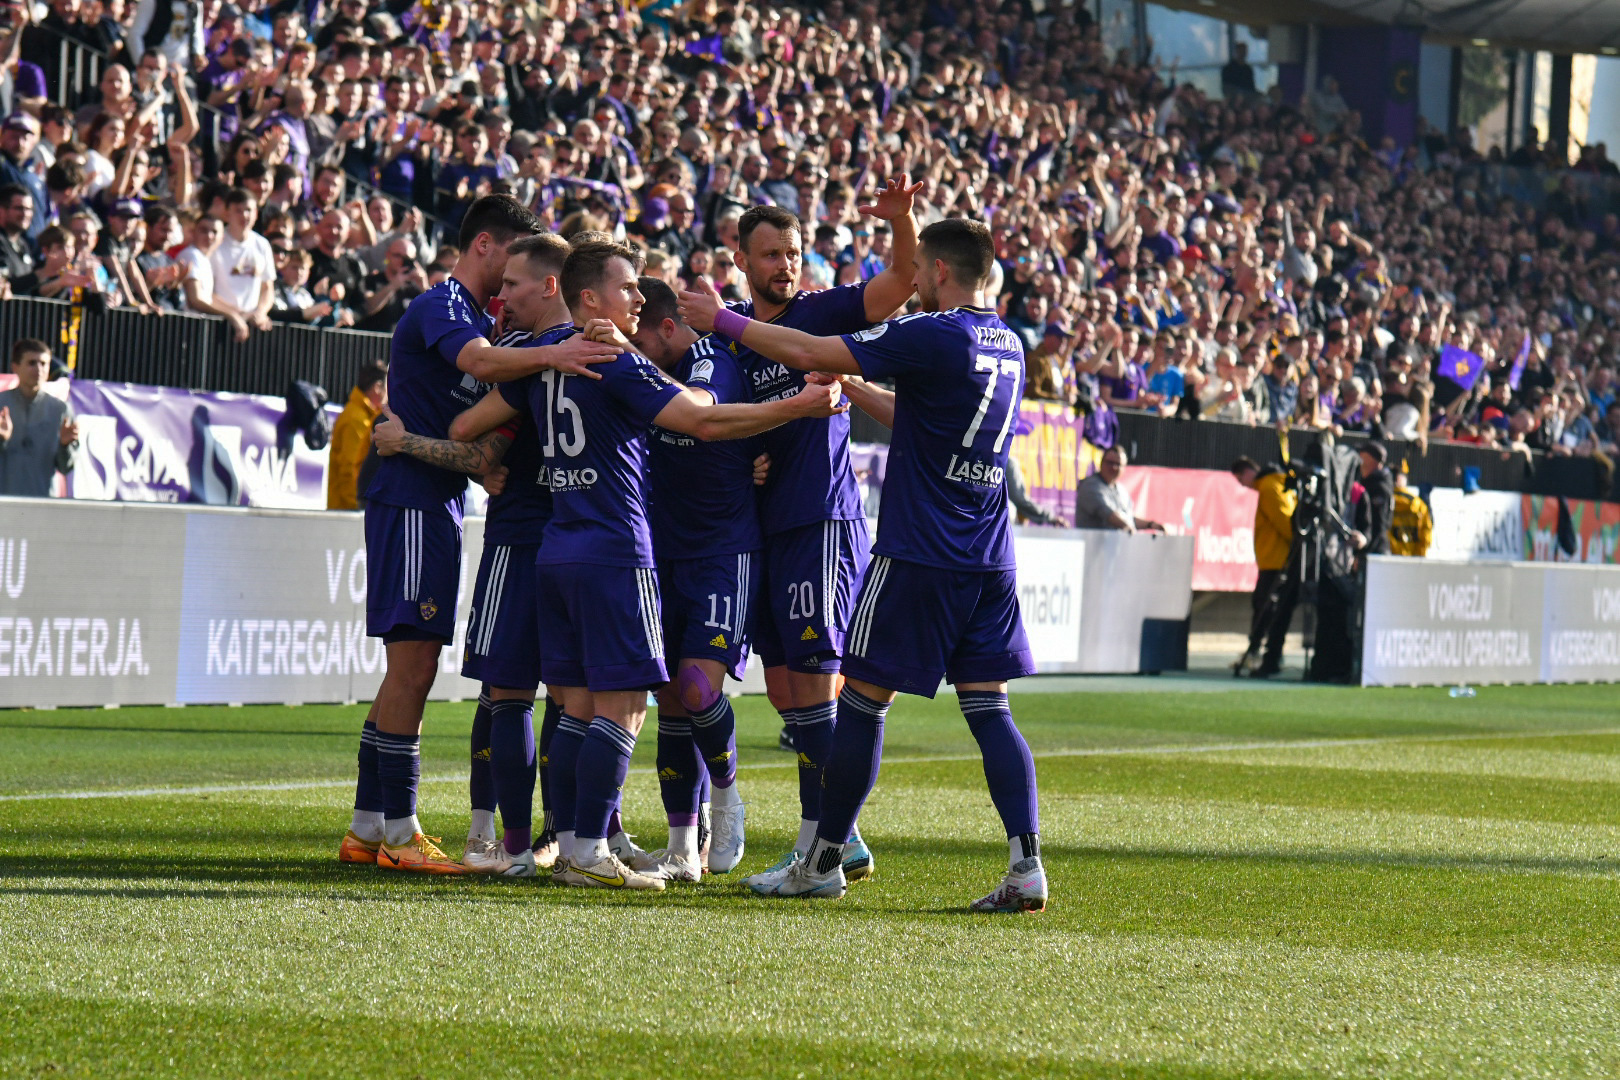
428, 609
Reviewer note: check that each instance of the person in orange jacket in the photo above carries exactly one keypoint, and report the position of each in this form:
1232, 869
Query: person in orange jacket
1276, 592
351, 437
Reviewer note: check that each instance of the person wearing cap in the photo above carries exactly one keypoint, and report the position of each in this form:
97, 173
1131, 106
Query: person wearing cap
117, 249
1045, 367
18, 134
1375, 510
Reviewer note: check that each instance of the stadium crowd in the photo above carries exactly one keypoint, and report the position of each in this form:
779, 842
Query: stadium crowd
1247, 259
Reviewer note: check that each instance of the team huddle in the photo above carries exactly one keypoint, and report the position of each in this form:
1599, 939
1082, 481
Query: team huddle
671, 489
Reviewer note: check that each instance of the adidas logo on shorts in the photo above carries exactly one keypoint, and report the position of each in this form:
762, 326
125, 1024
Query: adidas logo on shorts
809, 634
718, 641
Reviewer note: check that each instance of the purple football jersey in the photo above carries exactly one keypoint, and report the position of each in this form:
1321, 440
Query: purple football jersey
958, 377
426, 391
703, 493
593, 435
811, 476
518, 515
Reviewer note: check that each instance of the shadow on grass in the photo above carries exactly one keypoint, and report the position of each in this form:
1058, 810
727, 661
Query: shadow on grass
210, 877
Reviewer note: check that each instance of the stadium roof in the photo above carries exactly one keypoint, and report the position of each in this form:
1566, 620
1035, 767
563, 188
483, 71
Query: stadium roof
1588, 26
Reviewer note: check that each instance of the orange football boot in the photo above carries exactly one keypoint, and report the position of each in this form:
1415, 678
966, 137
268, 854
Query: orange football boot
355, 850
420, 856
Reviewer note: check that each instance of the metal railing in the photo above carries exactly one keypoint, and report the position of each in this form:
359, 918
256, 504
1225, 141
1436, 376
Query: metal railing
198, 352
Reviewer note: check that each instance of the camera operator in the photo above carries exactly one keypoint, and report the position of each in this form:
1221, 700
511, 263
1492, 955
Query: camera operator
1375, 510
1276, 591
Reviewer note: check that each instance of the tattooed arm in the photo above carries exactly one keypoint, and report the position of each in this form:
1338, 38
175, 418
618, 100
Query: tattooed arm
476, 458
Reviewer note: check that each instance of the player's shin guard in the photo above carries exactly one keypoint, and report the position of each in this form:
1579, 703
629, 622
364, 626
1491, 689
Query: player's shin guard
714, 729
604, 761
812, 735
852, 764
512, 763
680, 771
564, 762
548, 730
1009, 768
480, 781
399, 768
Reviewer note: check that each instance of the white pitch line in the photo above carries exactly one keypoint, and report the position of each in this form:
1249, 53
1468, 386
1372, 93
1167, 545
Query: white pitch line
1098, 751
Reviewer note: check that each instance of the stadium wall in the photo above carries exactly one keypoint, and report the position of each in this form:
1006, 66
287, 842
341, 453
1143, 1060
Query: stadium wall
1430, 622
150, 604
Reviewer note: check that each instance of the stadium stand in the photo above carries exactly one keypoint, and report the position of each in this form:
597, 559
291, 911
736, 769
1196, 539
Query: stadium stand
1164, 253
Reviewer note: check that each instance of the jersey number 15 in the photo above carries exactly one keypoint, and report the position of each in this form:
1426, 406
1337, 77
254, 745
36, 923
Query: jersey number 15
558, 404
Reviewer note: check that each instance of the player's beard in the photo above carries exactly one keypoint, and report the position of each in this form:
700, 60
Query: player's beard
928, 296
776, 290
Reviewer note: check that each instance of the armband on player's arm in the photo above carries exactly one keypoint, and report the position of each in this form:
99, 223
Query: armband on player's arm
787, 346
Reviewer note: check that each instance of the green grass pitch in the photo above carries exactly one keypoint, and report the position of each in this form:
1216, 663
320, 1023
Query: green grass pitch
1246, 882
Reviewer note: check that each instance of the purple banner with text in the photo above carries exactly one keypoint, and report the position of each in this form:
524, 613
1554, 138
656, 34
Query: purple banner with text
160, 444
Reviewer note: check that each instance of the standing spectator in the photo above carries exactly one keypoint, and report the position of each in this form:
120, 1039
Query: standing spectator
158, 268
1100, 503
335, 266
1276, 590
244, 267
1376, 509
390, 292
37, 432
351, 436
1411, 528
198, 281
1237, 77
16, 249
18, 137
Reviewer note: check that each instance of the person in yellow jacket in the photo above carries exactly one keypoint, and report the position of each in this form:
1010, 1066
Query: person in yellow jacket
1276, 592
1411, 529
351, 437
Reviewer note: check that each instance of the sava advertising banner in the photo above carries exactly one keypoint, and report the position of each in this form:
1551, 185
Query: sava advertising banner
160, 444
1211, 507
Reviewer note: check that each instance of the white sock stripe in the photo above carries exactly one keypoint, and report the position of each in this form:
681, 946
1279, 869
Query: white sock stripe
573, 725
818, 714
712, 714
615, 734
402, 751
861, 703
674, 727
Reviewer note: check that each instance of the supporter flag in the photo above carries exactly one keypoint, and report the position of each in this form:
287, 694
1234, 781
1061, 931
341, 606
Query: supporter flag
1517, 371
711, 48
1461, 366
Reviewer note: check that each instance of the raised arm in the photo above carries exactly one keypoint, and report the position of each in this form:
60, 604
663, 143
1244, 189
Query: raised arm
886, 293
702, 311
476, 458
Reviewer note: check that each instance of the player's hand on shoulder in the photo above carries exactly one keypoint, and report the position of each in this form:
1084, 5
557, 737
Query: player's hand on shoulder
387, 433
576, 355
699, 305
